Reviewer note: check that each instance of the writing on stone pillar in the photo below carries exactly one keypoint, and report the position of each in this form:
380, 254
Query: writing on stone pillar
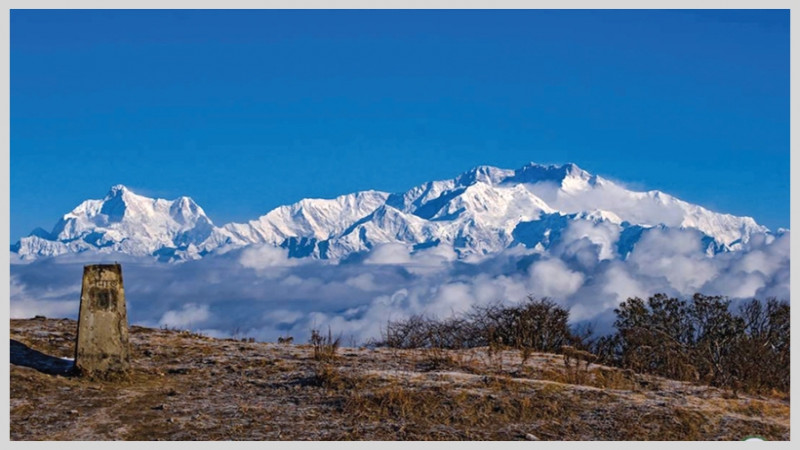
102, 348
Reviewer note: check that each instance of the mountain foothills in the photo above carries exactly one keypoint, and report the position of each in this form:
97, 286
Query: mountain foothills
480, 212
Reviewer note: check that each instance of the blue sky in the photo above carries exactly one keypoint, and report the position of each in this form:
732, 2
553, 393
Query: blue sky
247, 110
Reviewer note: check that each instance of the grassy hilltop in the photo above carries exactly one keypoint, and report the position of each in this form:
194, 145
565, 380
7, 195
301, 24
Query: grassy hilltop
184, 386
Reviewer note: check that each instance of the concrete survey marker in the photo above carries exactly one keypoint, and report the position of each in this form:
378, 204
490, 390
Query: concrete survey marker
102, 348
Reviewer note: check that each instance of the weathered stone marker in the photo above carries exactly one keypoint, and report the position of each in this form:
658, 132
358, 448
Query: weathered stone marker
102, 344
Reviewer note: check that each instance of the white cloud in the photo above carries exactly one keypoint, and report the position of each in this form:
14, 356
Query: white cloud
603, 234
48, 304
451, 299
190, 315
27, 308
259, 292
622, 285
676, 255
391, 253
611, 197
364, 281
292, 280
267, 260
435, 255
552, 278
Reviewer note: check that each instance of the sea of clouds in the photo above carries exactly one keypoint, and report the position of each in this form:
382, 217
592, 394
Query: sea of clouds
259, 292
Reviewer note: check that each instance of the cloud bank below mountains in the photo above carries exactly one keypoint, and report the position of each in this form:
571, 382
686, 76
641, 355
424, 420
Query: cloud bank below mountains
258, 291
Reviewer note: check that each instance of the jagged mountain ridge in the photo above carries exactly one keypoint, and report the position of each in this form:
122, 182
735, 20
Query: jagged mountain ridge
481, 211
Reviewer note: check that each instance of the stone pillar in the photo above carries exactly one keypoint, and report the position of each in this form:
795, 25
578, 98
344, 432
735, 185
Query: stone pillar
102, 349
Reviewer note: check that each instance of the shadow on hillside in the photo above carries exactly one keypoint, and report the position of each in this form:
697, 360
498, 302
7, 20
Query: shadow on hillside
22, 355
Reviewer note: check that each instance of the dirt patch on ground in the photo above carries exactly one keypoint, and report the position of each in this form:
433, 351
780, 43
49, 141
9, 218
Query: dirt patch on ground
185, 386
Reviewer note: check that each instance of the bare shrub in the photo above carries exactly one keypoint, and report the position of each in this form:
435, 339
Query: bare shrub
538, 324
535, 324
762, 359
697, 339
419, 331
572, 361
571, 353
701, 339
325, 347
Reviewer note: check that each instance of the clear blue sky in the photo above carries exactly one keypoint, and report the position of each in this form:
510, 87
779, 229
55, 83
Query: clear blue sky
248, 110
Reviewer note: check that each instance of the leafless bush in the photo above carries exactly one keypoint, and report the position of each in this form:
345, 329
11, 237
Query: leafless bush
533, 325
701, 339
423, 332
538, 324
762, 359
572, 354
572, 362
324, 347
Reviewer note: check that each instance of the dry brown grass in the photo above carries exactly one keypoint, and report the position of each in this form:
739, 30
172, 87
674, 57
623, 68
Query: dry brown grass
607, 378
190, 387
455, 413
325, 347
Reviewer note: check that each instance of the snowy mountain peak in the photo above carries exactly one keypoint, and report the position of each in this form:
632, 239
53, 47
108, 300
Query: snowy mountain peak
117, 189
479, 212
559, 174
123, 221
485, 174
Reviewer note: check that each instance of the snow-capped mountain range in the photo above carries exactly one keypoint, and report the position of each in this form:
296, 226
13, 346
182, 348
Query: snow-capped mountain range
480, 212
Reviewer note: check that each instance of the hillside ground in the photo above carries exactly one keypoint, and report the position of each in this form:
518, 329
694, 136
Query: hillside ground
185, 386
